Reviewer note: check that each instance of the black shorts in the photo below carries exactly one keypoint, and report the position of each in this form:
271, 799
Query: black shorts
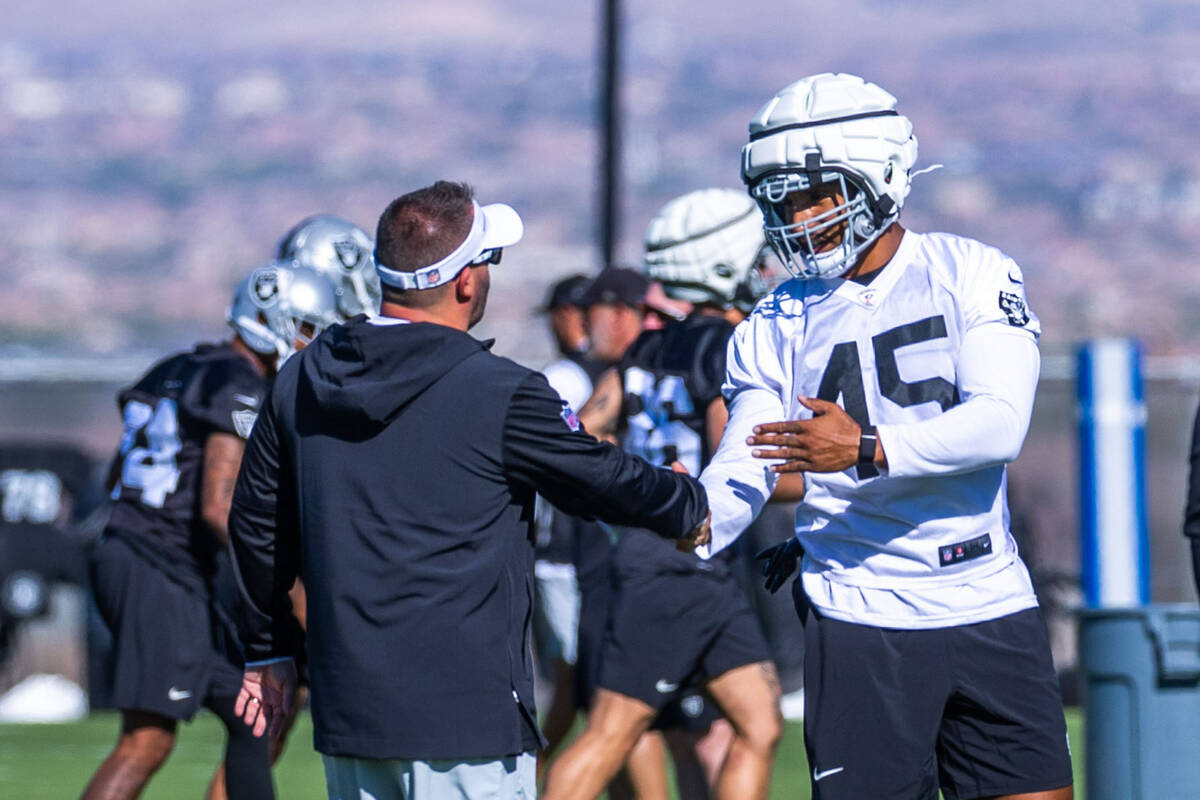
974, 709
675, 622
165, 656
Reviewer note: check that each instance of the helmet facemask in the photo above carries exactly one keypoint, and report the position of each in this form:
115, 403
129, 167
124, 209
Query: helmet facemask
804, 247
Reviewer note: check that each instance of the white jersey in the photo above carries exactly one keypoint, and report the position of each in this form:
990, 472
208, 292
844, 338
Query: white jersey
939, 352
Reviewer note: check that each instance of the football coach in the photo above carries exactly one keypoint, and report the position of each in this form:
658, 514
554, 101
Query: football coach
393, 467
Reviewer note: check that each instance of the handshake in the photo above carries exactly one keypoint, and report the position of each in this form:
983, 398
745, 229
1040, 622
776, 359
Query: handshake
699, 535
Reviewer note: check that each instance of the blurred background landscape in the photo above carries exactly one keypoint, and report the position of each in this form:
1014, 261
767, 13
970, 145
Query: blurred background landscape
151, 154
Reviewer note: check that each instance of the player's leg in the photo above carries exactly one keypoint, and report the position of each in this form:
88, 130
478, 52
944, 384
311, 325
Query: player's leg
157, 669
615, 723
145, 742
246, 770
556, 633
873, 705
713, 748
1004, 733
644, 776
749, 696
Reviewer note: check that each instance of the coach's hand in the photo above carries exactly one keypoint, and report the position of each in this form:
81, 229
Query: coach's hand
780, 563
702, 533
266, 697
826, 443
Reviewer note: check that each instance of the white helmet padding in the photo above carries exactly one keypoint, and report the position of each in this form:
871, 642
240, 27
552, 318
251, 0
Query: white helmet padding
829, 129
703, 247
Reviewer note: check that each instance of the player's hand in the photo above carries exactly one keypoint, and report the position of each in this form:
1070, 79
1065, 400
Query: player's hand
701, 534
780, 562
266, 697
826, 443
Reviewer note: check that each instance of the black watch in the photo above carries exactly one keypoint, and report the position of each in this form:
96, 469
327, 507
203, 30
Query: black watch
868, 442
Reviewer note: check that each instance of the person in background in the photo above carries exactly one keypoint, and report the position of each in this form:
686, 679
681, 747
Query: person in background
677, 624
343, 253
564, 309
171, 482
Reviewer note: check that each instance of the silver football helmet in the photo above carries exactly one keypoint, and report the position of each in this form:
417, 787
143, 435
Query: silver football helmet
704, 247
342, 252
835, 133
280, 304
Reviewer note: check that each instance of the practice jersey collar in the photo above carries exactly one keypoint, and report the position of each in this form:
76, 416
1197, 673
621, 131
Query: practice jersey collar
872, 295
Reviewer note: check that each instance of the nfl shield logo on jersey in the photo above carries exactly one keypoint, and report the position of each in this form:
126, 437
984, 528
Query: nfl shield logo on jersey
1013, 306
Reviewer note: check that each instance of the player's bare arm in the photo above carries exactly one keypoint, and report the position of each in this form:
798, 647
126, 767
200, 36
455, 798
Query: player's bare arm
222, 458
829, 442
600, 413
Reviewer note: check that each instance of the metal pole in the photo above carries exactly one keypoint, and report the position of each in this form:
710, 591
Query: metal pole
610, 159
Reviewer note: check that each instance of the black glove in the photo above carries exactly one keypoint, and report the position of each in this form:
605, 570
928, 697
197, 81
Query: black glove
780, 563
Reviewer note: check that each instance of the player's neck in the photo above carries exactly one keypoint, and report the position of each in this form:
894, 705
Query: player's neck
878, 254
263, 363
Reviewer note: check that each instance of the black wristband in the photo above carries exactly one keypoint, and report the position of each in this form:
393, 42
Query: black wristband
867, 442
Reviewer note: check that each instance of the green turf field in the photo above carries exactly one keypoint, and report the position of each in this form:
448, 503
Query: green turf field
53, 762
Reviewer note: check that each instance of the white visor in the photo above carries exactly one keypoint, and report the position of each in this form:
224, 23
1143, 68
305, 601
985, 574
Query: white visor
494, 226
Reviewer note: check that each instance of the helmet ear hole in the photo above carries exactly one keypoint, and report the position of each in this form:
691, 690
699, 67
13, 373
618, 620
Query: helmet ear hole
864, 226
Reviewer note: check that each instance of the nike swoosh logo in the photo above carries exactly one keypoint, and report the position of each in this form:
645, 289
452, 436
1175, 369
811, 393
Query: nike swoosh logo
825, 773
1014, 277
664, 686
175, 695
246, 400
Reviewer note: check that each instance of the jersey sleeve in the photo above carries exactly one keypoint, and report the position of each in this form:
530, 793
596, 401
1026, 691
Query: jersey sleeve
992, 290
264, 542
756, 379
226, 398
546, 449
997, 375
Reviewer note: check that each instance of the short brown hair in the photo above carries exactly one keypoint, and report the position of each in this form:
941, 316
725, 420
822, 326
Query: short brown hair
421, 228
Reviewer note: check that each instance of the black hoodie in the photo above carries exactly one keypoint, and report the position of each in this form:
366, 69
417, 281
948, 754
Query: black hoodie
398, 464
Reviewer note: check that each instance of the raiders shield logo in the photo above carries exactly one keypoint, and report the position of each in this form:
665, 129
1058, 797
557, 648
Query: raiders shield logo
243, 421
265, 286
348, 253
1013, 306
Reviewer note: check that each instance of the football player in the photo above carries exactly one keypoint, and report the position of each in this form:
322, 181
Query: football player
677, 622
185, 426
343, 253
571, 555
897, 373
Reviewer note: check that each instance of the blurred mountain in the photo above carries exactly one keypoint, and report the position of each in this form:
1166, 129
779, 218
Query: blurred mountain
151, 154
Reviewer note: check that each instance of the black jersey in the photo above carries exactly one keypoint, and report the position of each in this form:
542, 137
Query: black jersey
669, 377
168, 416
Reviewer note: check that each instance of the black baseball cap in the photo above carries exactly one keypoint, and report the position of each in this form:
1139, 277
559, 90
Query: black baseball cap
567, 292
618, 285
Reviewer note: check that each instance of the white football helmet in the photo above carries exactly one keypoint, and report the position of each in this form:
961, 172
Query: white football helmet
342, 252
279, 304
829, 129
704, 247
